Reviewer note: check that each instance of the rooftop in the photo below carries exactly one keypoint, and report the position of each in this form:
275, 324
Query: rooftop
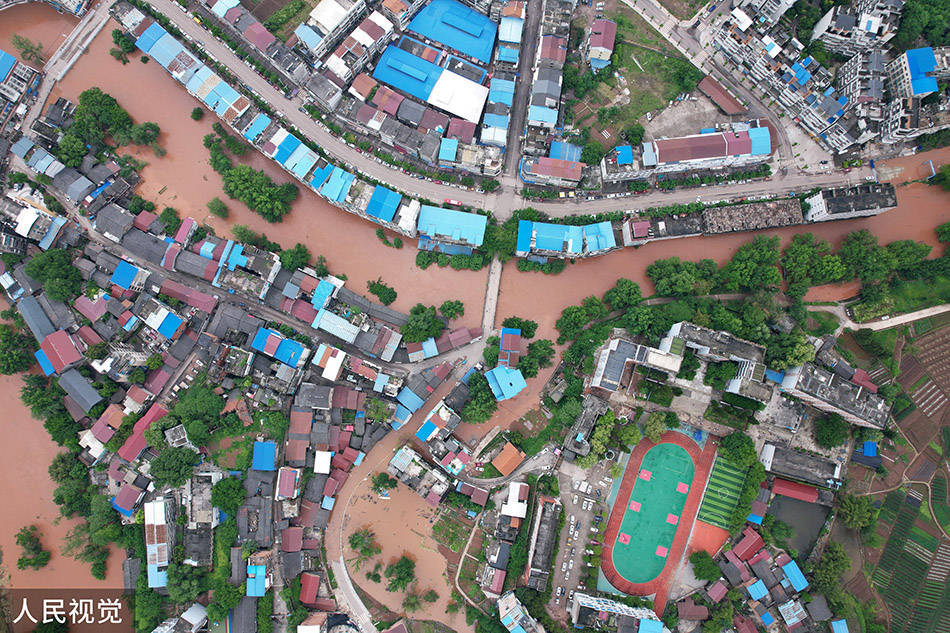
842, 394
458, 27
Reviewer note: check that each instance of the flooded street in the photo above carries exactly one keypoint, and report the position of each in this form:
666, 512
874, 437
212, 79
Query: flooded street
184, 180
27, 493
39, 23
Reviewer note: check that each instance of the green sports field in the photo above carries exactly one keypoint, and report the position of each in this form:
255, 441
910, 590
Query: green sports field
722, 493
653, 513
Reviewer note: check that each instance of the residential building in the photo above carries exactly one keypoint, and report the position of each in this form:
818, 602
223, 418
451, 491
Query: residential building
866, 23
542, 543
616, 358
450, 231
601, 43
851, 202
825, 390
327, 23
915, 73
542, 170
710, 150
515, 617
861, 80
159, 540
587, 609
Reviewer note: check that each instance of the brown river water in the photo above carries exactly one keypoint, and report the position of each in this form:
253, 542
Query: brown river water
183, 179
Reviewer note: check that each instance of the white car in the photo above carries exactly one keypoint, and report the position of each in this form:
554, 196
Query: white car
575, 499
570, 565
567, 575
560, 591
564, 566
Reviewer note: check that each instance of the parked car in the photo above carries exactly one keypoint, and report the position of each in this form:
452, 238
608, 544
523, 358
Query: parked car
560, 591
564, 566
570, 565
575, 499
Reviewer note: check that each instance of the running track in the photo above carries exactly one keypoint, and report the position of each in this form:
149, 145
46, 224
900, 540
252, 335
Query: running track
703, 460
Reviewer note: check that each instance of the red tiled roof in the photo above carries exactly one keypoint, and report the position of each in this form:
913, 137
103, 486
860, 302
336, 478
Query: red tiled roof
480, 496
291, 539
602, 34
108, 423
700, 146
127, 496
137, 394
497, 582
260, 37
286, 482
134, 446
190, 296
554, 47
795, 490
461, 129
750, 544
862, 379
362, 85
640, 229
300, 421
88, 335
325, 604
689, 610
297, 450
508, 459
717, 591
744, 625
60, 349
309, 585
92, 310
557, 168
143, 220
433, 499
720, 96
156, 380
737, 143
306, 518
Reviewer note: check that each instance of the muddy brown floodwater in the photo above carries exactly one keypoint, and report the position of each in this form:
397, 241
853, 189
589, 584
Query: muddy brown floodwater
37, 22
184, 180
27, 494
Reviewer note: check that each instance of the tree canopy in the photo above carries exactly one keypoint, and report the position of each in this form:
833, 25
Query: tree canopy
452, 309
54, 269
527, 327
624, 294
739, 449
400, 573
856, 512
16, 350
481, 404
294, 258
256, 189
423, 323
831, 430
865, 258
704, 567
228, 494
173, 466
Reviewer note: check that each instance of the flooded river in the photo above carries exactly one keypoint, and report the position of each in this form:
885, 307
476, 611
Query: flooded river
37, 22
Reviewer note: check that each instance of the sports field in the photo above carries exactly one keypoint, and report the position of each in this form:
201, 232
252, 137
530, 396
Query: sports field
722, 493
653, 513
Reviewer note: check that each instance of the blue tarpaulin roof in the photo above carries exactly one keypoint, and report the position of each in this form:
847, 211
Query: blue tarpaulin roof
624, 155
795, 576
406, 72
495, 120
458, 27
457, 226
563, 150
124, 275
754, 518
757, 590
542, 114
775, 376
127, 512
839, 626
265, 455
767, 618
384, 203
508, 54
870, 448
650, 626
921, 62
308, 36
256, 577
7, 62
261, 122
327, 503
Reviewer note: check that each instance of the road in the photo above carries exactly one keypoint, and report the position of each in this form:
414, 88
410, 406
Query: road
880, 324
519, 109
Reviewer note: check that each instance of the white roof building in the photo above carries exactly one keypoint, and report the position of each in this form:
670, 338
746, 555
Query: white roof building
459, 96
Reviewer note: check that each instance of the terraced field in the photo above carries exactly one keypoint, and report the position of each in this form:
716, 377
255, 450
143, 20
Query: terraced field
722, 493
912, 573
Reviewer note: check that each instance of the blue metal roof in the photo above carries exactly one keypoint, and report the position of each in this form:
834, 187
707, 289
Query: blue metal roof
302, 164
52, 232
553, 237
598, 236
761, 141
406, 72
7, 62
45, 365
495, 120
384, 202
321, 294
542, 114
289, 352
147, 39
124, 275
236, 257
327, 503
458, 27
265, 456
337, 185
308, 36
287, 147
429, 348
624, 155
256, 577
408, 398
565, 151
222, 6
261, 122
510, 30
839, 626
767, 618
921, 61
795, 576
426, 431
508, 54
402, 414
448, 149
650, 626
156, 578
501, 91
320, 176
166, 49
757, 590
170, 325
504, 382
870, 447
381, 381
457, 226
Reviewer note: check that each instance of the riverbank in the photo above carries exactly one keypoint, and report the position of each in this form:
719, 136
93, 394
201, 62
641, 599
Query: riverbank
39, 23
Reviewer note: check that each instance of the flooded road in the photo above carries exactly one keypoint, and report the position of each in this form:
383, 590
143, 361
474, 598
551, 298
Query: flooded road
27, 494
39, 23
184, 180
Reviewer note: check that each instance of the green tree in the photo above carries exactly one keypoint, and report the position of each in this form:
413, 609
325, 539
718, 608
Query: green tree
16, 350
808, 262
423, 323
739, 449
527, 327
197, 114
256, 189
173, 466
228, 495
97, 351
826, 576
481, 404
154, 362
856, 512
400, 573
185, 583
411, 602
148, 605
592, 153
452, 309
294, 258
624, 294
170, 218
831, 430
571, 323
489, 184
865, 258
634, 134
226, 597
754, 266
145, 133
908, 254
655, 426
385, 294
943, 233
704, 567
33, 556
628, 435
383, 482
539, 355
430, 596
53, 268
718, 374
217, 207
71, 149
363, 542
30, 51
123, 40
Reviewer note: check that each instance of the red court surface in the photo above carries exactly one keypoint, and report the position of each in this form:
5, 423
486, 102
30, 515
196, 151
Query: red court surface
703, 462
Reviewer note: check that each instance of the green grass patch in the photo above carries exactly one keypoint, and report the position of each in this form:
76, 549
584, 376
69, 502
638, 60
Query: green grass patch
820, 323
920, 383
941, 509
937, 448
451, 532
722, 493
